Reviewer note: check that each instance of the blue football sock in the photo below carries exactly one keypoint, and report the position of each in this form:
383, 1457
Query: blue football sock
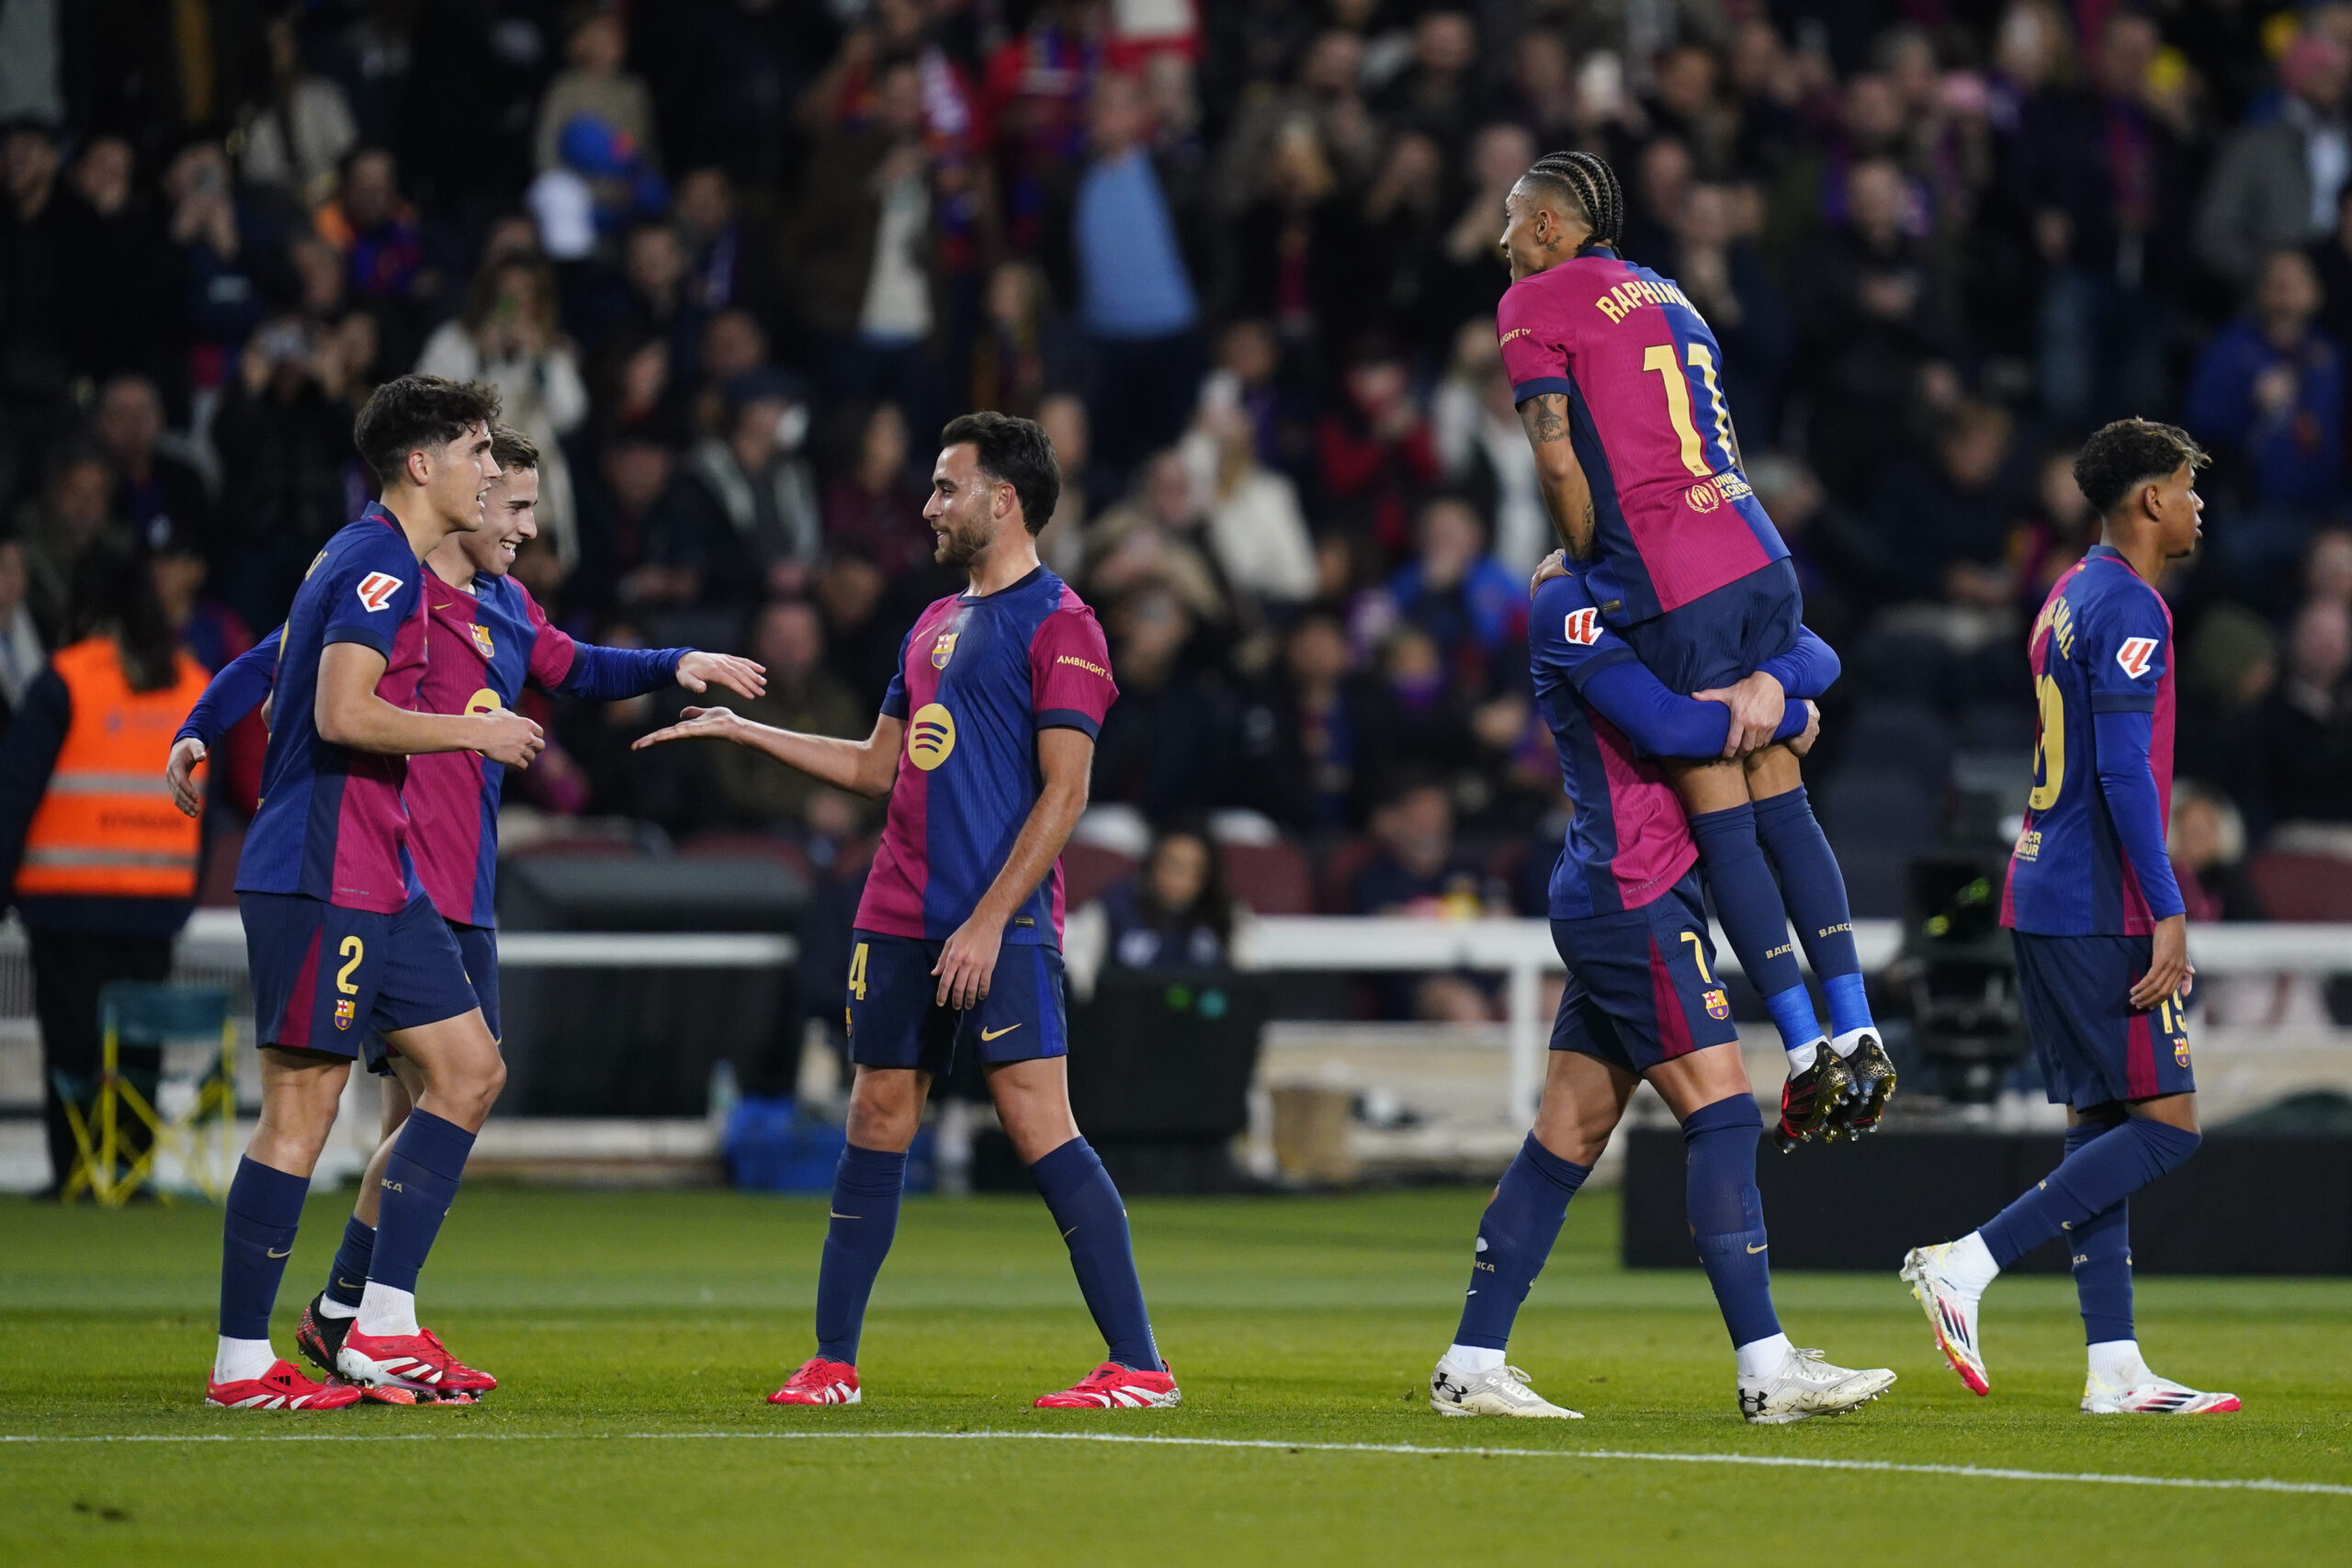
1087, 1209
1794, 1016
866, 1185
2100, 1247
1515, 1236
2090, 1181
1726, 1214
348, 1278
264, 1211
1747, 901
420, 1183
1814, 892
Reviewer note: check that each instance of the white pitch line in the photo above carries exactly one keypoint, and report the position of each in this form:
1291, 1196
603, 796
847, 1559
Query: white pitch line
1777, 1461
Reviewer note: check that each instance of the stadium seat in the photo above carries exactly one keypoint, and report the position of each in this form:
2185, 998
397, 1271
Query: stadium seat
1272, 879
1090, 870
1337, 879
2302, 886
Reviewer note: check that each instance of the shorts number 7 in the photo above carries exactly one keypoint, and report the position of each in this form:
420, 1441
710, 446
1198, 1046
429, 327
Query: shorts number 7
1699, 956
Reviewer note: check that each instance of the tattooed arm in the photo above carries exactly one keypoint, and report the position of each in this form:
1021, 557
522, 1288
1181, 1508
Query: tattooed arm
1568, 495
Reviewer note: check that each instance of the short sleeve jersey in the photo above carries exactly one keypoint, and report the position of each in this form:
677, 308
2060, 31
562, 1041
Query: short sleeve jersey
1627, 839
2101, 644
333, 825
485, 645
977, 679
1673, 514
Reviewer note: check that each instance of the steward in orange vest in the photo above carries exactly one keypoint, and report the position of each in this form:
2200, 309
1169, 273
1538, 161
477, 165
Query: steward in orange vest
98, 863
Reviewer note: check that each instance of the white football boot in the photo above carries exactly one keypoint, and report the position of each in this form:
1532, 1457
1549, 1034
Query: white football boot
2152, 1395
1952, 1313
1502, 1392
1807, 1385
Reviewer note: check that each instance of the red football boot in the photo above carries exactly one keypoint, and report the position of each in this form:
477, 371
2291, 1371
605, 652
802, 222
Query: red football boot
1113, 1387
283, 1387
418, 1363
819, 1382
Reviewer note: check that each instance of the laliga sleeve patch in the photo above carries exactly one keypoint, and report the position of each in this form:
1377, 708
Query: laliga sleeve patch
376, 590
2134, 655
1583, 627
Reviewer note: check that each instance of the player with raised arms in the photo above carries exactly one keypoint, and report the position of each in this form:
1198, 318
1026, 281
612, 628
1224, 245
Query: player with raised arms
984, 746
486, 638
1642, 1003
1619, 384
345, 951
2100, 931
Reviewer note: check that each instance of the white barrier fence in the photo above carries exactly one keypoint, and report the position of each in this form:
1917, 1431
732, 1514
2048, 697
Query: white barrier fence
213, 950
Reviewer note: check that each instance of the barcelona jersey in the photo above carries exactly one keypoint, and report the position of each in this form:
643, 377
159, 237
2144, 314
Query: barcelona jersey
332, 824
2102, 644
978, 678
1674, 517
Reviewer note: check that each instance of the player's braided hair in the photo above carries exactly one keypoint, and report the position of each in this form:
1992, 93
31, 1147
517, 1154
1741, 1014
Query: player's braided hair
1592, 185
2120, 458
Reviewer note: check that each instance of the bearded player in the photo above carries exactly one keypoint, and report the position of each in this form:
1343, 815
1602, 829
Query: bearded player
1619, 385
984, 744
2102, 933
486, 638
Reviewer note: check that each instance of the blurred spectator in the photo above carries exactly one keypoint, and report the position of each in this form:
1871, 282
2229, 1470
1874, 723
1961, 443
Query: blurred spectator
374, 227
1840, 560
1416, 870
1018, 352
1467, 276
1061, 542
1376, 453
595, 84
802, 695
120, 267
2053, 535
1436, 92
727, 257
44, 246
746, 509
2276, 182
1472, 605
1751, 319
1302, 741
283, 430
1256, 530
295, 140
1167, 745
72, 517
2207, 842
1484, 449
151, 487
2306, 725
1173, 913
2269, 391
861, 645
23, 653
1945, 524
873, 506
2230, 667
1289, 244
1131, 223
1157, 535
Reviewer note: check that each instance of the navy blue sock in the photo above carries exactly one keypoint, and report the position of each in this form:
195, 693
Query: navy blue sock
1748, 900
1726, 1214
1515, 1236
866, 1185
2100, 1247
2091, 1179
420, 1183
264, 1211
1086, 1208
348, 1278
1814, 892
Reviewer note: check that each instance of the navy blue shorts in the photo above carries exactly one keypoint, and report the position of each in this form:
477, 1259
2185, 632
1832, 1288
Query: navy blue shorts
894, 1022
478, 945
1642, 983
1719, 639
2093, 1047
327, 978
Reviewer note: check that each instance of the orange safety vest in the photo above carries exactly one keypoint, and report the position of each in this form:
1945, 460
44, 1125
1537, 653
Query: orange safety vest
107, 827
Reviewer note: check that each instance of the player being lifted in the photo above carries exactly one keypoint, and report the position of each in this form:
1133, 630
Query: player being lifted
984, 745
1642, 1003
346, 952
486, 637
1619, 384
2102, 933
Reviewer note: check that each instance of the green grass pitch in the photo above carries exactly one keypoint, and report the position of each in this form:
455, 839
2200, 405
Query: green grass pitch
636, 1335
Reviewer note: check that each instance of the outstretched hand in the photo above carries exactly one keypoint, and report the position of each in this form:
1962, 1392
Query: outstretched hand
740, 676
695, 724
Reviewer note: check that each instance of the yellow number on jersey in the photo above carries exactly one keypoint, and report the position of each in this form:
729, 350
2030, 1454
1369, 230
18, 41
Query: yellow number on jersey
1658, 358
353, 951
2049, 747
1699, 957
857, 973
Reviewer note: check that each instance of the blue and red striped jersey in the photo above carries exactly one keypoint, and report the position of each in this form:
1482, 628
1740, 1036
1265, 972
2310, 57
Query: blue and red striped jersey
977, 679
2102, 644
1673, 513
332, 823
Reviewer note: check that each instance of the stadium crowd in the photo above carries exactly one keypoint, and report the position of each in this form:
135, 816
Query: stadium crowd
731, 262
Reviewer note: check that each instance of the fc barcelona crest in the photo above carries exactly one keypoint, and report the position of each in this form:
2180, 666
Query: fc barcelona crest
943, 650
1718, 1005
482, 639
342, 1013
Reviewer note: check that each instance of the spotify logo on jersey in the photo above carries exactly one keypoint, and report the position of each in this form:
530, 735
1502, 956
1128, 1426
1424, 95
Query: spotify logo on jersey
931, 737
483, 701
